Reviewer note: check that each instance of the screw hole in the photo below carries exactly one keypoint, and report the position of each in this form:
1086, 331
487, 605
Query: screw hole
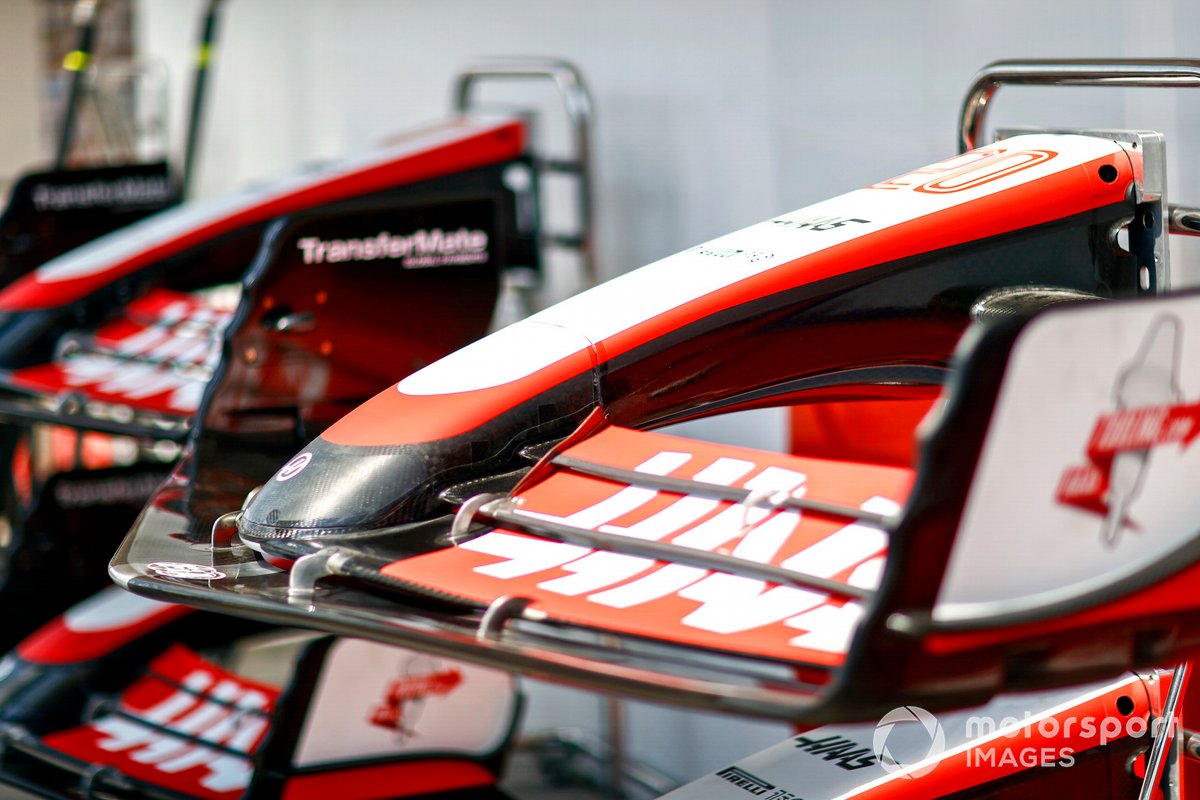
1148, 220
1107, 173
1125, 705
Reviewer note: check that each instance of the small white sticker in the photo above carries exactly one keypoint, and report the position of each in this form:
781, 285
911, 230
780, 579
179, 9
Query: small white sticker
178, 569
294, 467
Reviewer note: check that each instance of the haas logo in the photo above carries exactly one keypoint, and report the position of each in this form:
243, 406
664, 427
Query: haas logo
171, 357
198, 740
1150, 414
420, 678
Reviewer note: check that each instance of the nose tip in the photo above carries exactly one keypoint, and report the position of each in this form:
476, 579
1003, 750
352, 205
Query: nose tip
330, 489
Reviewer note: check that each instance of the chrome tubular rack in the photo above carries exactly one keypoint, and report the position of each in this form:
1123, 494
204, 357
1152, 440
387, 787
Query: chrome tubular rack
1143, 72
577, 105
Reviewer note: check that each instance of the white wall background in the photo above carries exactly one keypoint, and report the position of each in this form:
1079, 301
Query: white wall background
710, 115
20, 58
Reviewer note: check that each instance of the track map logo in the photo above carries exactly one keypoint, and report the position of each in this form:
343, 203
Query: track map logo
420, 679
1150, 415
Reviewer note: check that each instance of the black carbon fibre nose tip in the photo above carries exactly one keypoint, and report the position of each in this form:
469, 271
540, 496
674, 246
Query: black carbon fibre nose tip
329, 490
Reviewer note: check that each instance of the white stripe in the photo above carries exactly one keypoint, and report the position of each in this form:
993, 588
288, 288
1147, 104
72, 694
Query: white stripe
763, 542
660, 583
524, 555
624, 501
829, 628
110, 609
731, 603
595, 571
683, 512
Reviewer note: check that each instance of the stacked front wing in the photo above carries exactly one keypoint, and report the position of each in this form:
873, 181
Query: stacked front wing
735, 579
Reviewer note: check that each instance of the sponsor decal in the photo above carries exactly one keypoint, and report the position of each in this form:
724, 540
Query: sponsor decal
845, 753
744, 780
951, 166
129, 190
748, 256
374, 701
162, 366
420, 678
824, 223
433, 247
725, 604
187, 726
179, 569
907, 736
106, 491
968, 171
284, 195
294, 467
985, 171
683, 603
1150, 414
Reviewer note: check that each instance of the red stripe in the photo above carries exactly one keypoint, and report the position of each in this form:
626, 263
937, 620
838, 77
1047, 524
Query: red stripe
55, 643
389, 780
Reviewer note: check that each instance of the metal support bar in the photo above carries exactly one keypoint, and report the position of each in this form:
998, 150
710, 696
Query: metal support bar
204, 49
1184, 220
225, 531
47, 409
578, 107
1191, 744
566, 241
83, 17
1153, 72
504, 513
502, 609
1156, 760
195, 369
717, 491
304, 574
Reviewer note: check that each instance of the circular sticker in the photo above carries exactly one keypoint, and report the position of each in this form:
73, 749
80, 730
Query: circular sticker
178, 569
294, 467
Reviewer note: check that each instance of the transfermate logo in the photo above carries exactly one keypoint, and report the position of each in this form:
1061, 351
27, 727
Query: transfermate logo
127, 190
423, 248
